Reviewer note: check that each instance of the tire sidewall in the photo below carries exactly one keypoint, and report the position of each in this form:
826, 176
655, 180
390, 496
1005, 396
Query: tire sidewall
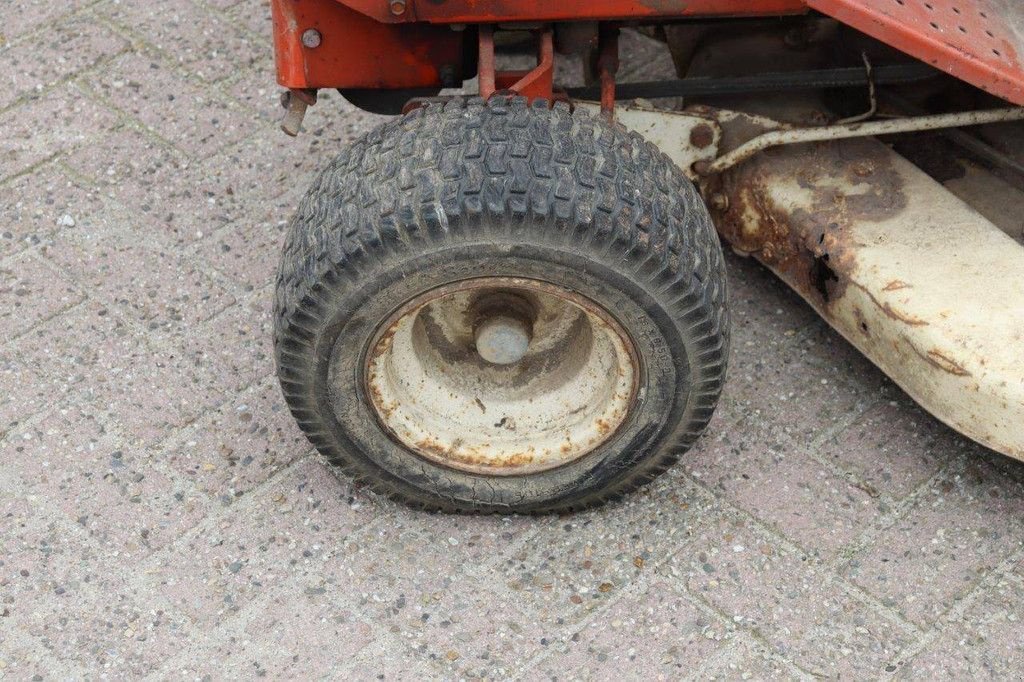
340, 353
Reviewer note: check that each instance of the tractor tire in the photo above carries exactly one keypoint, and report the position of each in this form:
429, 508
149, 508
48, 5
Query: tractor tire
502, 308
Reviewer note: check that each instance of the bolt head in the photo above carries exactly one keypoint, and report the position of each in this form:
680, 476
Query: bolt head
397, 7
311, 38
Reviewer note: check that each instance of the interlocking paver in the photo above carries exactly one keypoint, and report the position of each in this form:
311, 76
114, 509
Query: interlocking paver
245, 442
31, 291
572, 567
473, 633
747, 661
241, 251
162, 514
118, 372
21, 16
56, 54
798, 607
196, 119
759, 464
21, 392
893, 448
47, 126
36, 205
200, 42
290, 635
114, 492
814, 506
802, 388
985, 642
289, 530
166, 288
657, 633
950, 538
74, 601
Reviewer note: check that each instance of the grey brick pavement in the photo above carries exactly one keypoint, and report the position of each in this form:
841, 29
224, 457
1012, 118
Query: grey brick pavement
161, 516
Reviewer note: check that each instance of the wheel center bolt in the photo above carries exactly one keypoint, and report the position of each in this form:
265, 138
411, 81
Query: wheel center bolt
503, 339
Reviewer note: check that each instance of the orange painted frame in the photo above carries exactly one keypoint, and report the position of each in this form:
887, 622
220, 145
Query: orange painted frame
355, 51
978, 41
501, 11
407, 43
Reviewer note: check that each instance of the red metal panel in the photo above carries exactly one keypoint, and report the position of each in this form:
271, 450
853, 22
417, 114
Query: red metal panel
355, 51
497, 11
979, 41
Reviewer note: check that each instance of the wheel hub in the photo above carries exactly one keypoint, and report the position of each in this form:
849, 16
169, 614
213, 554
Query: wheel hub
501, 375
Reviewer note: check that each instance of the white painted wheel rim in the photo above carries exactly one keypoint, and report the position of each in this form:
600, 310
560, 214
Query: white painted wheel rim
435, 394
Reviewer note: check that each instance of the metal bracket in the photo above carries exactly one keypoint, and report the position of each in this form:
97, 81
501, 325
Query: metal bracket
536, 83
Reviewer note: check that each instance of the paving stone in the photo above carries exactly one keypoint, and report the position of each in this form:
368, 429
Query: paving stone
245, 442
894, 447
199, 42
164, 286
416, 576
290, 635
21, 16
53, 55
252, 17
195, 119
572, 567
74, 602
657, 633
246, 252
286, 531
948, 540
746, 661
802, 388
257, 89
91, 355
470, 632
31, 291
410, 564
388, 659
766, 312
985, 642
35, 206
46, 126
797, 606
21, 392
233, 350
24, 658
187, 199
117, 494
759, 470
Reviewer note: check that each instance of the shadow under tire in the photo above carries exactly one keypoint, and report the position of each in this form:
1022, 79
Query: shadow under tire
580, 237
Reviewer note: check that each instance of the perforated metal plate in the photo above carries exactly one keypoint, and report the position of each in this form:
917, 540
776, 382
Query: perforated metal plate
979, 41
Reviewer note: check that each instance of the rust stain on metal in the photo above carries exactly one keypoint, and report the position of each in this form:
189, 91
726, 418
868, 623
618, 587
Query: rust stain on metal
938, 359
702, 136
891, 312
473, 458
895, 285
811, 246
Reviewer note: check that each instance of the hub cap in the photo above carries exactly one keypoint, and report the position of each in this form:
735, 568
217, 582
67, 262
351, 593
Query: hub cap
502, 375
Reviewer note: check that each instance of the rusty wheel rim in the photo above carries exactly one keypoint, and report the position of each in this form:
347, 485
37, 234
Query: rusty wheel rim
501, 376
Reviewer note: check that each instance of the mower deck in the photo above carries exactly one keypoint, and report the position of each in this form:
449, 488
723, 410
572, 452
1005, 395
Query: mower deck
481, 400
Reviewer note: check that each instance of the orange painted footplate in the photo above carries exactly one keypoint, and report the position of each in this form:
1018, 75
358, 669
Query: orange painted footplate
978, 41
